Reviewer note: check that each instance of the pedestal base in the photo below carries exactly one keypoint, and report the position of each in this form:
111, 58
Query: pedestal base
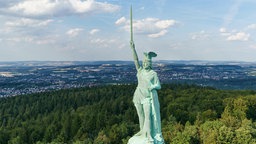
158, 139
139, 140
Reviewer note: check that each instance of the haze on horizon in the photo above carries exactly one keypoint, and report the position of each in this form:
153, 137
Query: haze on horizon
89, 30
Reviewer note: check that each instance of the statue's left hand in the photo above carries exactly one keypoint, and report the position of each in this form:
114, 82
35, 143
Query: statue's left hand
151, 88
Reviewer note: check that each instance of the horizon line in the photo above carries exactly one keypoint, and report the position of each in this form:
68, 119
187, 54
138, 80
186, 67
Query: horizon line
123, 60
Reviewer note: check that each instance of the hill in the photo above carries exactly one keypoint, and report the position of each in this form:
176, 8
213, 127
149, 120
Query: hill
105, 114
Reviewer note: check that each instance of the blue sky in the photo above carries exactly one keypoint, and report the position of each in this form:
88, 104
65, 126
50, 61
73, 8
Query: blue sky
88, 30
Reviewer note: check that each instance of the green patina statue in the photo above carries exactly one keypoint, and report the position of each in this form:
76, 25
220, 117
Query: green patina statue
145, 100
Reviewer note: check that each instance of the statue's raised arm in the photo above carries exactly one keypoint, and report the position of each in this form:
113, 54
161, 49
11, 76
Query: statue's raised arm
132, 45
135, 56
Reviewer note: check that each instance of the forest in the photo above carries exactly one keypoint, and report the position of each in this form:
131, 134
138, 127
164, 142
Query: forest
190, 114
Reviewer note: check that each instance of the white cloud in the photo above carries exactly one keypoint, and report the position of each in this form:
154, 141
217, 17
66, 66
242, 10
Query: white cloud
223, 31
91, 5
94, 31
163, 24
74, 32
15, 29
252, 26
49, 8
46, 39
234, 35
34, 7
200, 35
103, 42
240, 36
34, 39
23, 22
161, 33
120, 21
152, 27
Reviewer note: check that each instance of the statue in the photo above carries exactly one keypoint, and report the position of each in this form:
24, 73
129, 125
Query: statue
146, 101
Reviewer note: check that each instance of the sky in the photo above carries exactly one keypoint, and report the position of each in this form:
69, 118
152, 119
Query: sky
92, 30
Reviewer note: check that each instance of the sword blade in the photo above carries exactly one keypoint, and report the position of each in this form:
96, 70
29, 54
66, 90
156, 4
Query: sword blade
131, 24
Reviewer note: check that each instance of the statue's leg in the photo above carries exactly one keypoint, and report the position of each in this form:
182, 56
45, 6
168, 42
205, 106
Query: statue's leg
147, 128
139, 108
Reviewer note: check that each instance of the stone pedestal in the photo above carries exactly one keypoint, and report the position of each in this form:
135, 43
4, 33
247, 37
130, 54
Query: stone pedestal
139, 140
144, 140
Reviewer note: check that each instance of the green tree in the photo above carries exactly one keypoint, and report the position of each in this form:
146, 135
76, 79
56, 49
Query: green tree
209, 131
225, 135
102, 138
246, 134
4, 136
234, 112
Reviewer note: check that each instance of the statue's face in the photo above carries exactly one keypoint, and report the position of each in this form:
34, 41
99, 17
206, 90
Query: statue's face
147, 64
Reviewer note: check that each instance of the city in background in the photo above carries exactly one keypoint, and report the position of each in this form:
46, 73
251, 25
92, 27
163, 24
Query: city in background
18, 78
